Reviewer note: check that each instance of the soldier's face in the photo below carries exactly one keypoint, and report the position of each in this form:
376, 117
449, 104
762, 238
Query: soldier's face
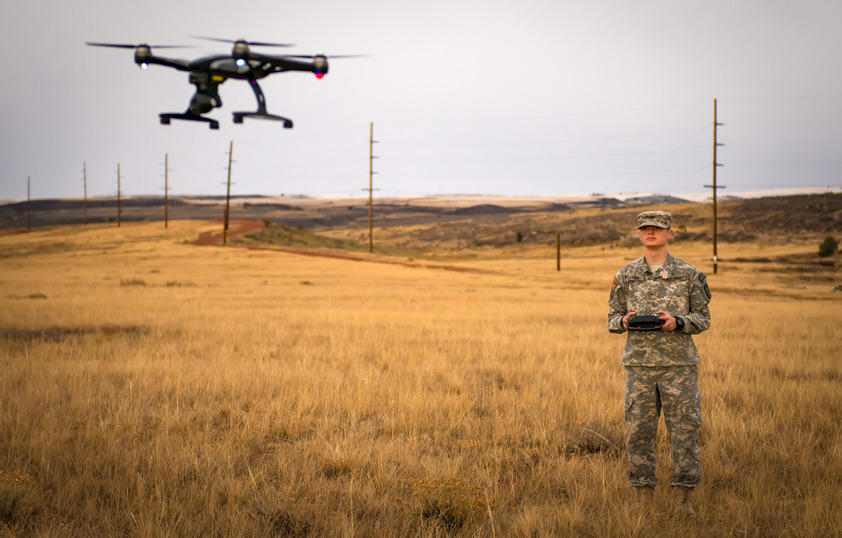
652, 236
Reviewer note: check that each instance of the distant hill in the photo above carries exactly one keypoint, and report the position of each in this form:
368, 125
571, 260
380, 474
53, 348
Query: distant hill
655, 199
470, 221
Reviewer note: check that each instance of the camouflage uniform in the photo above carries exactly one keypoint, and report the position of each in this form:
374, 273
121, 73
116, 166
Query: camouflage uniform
661, 367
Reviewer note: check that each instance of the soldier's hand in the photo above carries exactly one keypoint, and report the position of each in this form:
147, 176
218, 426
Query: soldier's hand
669, 321
626, 319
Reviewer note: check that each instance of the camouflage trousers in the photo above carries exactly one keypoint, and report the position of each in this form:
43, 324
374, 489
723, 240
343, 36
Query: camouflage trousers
675, 389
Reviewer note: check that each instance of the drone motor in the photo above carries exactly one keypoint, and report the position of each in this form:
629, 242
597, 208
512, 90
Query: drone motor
142, 54
320, 65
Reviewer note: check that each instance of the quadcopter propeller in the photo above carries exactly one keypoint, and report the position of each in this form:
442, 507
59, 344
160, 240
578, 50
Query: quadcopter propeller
320, 60
142, 51
129, 46
249, 43
240, 51
331, 56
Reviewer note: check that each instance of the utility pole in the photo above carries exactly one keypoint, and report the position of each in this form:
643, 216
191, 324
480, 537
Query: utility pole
227, 195
166, 192
715, 186
28, 207
371, 189
119, 207
85, 190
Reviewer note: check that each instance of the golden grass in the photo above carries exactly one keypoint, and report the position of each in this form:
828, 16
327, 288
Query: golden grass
150, 387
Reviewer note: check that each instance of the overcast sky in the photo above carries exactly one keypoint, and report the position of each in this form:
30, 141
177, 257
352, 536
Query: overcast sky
523, 97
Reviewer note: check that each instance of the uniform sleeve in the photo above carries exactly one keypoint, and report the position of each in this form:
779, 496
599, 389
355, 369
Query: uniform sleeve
698, 320
617, 306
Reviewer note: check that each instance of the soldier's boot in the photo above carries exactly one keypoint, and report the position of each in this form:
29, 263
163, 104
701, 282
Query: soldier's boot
684, 502
645, 495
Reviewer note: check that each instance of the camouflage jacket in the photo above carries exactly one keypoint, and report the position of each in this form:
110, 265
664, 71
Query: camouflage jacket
678, 288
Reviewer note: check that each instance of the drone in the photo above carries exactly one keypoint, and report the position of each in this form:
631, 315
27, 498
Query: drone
209, 72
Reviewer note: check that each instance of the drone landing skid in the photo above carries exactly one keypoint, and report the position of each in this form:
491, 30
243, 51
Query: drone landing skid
238, 118
165, 119
261, 108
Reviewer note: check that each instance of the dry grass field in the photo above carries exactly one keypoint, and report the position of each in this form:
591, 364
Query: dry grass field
150, 387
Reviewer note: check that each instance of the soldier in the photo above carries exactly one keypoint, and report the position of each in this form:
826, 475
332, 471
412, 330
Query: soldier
660, 359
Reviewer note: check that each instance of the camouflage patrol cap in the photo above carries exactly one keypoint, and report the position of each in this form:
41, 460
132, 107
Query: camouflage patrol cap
661, 219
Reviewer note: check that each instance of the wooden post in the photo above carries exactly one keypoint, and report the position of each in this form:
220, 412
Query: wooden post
715, 186
371, 189
85, 190
166, 192
119, 206
227, 195
558, 251
28, 207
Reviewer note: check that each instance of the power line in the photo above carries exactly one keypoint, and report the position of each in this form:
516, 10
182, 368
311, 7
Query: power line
817, 143
549, 117
552, 142
782, 98
522, 176
533, 158
802, 163
833, 124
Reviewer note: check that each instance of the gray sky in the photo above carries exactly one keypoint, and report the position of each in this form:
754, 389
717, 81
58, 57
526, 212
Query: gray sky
521, 97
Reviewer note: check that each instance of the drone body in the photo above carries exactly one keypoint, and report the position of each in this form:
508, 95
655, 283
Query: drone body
209, 72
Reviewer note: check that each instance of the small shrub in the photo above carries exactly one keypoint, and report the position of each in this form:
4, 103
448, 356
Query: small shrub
289, 515
132, 282
178, 284
829, 247
21, 498
597, 439
450, 503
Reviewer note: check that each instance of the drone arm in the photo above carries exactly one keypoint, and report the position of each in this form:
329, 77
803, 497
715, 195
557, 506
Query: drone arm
318, 65
181, 65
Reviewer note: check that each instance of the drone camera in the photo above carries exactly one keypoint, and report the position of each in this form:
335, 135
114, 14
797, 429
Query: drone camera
202, 103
